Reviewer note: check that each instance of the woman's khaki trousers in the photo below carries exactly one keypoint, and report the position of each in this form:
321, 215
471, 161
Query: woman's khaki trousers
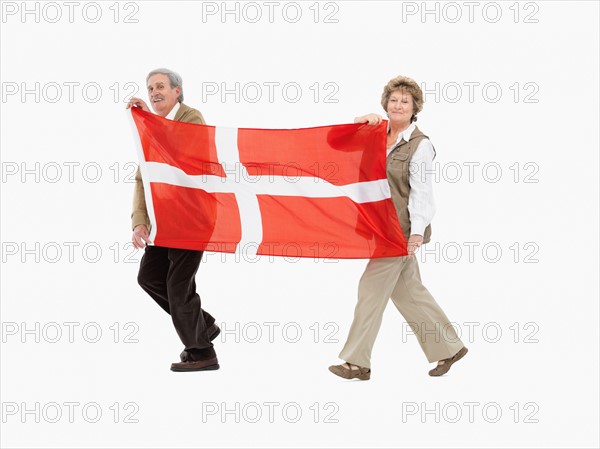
398, 278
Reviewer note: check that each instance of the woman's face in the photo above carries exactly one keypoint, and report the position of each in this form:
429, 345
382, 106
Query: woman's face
400, 107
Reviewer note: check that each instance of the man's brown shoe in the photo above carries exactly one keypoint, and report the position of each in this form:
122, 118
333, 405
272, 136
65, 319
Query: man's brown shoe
200, 365
445, 367
350, 373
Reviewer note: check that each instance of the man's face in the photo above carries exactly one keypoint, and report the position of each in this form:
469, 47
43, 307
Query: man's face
162, 96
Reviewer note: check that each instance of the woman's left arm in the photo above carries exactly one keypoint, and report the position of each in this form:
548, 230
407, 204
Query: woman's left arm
421, 205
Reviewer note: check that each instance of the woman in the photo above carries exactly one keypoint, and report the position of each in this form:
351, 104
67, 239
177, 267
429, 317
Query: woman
398, 278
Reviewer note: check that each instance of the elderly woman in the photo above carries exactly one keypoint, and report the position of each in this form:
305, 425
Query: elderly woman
398, 278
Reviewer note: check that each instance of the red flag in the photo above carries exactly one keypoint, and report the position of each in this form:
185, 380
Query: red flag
314, 192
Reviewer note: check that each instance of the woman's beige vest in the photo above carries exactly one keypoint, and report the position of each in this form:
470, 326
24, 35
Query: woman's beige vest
397, 169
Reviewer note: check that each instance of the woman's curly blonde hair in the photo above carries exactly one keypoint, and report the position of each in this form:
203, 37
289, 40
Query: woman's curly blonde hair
405, 84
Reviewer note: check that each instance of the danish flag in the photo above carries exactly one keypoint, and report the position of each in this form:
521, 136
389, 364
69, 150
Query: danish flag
314, 192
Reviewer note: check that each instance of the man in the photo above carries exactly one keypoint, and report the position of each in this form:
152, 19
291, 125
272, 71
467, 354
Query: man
168, 274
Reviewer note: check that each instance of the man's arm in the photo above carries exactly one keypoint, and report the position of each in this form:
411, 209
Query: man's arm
140, 222
139, 216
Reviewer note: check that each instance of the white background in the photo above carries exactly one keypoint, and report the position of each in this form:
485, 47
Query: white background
545, 366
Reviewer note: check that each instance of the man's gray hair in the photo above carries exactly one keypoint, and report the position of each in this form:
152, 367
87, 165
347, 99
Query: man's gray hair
175, 80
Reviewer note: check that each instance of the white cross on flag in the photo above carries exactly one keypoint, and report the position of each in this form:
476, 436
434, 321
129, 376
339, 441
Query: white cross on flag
315, 192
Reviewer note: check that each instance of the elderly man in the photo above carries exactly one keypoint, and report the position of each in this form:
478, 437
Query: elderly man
168, 274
